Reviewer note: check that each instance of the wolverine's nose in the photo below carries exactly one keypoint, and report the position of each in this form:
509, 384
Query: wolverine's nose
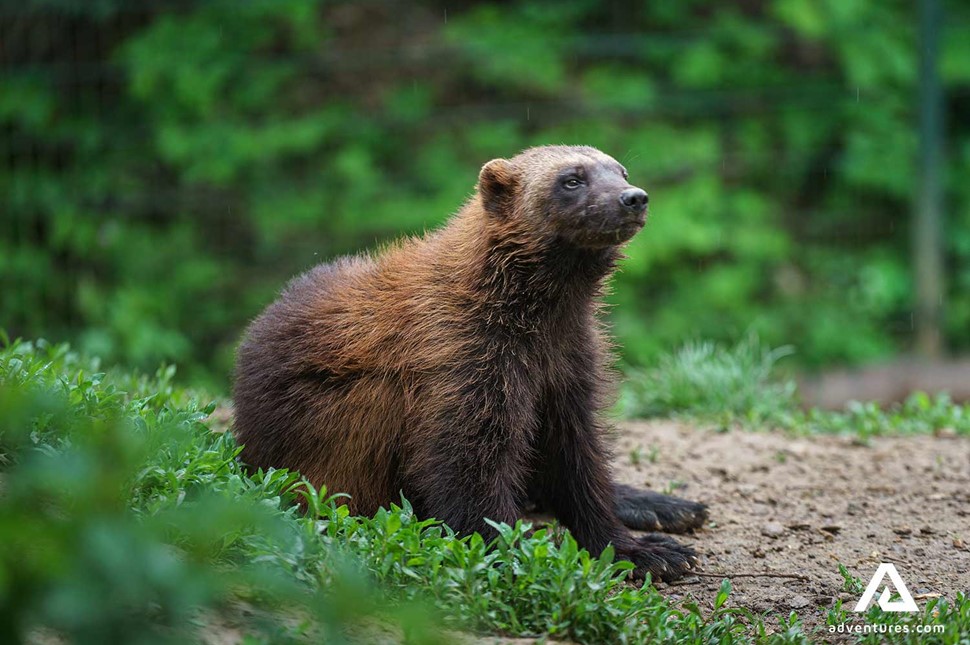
634, 199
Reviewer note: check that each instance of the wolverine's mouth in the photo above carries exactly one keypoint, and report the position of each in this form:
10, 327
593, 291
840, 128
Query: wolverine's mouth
598, 227
628, 229
613, 235
630, 223
641, 218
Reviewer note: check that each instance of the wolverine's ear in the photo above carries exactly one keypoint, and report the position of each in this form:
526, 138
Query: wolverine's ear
496, 185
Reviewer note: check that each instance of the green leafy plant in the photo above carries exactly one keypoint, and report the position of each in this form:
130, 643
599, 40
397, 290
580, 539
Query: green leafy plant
850, 583
125, 518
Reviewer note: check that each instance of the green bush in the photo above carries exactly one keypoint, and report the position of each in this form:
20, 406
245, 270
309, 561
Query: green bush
170, 169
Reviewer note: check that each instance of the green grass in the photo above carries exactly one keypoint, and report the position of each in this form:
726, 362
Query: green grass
706, 380
740, 386
124, 518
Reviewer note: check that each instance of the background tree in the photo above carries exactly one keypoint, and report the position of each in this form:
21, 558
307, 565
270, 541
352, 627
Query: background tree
165, 167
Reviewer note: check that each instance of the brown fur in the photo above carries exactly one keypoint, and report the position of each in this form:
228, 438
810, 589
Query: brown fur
466, 368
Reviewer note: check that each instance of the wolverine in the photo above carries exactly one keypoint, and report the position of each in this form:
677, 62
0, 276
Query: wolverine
469, 368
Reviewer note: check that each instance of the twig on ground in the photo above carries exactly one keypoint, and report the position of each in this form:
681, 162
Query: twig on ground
686, 581
767, 574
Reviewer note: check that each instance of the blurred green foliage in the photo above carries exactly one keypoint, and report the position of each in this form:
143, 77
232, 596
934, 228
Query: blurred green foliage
123, 519
169, 166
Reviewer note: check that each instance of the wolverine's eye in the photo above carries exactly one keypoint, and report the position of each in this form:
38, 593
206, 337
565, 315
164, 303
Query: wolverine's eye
572, 183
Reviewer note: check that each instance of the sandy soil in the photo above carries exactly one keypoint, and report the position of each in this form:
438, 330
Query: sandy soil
799, 506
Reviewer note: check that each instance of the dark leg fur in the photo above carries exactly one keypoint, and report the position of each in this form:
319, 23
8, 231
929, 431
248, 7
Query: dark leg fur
574, 481
645, 510
463, 477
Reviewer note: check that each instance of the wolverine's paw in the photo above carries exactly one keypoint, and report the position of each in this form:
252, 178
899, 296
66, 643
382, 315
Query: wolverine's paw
645, 510
662, 557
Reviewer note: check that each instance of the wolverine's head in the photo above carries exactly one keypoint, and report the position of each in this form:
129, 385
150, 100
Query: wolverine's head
575, 193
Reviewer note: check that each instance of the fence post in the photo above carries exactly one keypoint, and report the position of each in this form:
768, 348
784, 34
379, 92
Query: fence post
927, 215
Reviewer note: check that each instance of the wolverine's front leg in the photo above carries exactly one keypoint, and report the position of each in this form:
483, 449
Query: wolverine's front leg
574, 480
467, 458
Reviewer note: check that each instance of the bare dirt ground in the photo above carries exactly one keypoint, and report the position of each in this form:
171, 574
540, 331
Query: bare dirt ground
799, 506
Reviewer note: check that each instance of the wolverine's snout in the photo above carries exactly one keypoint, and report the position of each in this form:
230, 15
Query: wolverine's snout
634, 199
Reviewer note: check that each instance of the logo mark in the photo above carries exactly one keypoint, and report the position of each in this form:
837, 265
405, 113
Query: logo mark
905, 602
